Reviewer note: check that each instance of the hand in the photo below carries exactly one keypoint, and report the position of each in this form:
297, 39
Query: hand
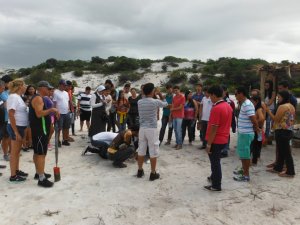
18, 137
208, 149
57, 115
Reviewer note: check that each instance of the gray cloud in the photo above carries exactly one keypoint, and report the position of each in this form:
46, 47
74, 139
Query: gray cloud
31, 31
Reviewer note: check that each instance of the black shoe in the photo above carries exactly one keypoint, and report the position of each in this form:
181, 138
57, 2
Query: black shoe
65, 142
140, 173
2, 166
17, 178
59, 144
154, 176
211, 188
21, 173
47, 175
121, 165
45, 183
224, 154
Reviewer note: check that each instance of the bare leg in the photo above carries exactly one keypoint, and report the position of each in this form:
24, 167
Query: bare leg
153, 164
81, 125
5, 145
15, 156
51, 132
246, 165
140, 162
88, 124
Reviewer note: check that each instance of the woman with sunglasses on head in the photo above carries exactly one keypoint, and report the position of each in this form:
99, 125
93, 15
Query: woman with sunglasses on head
283, 126
17, 123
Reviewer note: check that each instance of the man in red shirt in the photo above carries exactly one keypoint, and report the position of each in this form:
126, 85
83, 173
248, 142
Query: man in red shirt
217, 134
177, 114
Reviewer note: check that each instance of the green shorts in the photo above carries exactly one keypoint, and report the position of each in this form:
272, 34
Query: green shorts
243, 145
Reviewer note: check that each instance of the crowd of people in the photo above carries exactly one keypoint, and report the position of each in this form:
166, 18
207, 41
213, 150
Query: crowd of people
122, 124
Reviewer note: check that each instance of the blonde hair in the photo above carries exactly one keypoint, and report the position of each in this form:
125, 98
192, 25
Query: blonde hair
15, 85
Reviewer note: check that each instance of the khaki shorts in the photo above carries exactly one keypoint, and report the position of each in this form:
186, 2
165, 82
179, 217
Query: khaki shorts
148, 137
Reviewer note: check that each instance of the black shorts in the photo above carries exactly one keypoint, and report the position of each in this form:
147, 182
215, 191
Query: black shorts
85, 115
3, 131
40, 144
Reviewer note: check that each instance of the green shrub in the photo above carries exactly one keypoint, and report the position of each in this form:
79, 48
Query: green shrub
296, 91
51, 63
145, 63
194, 79
129, 76
97, 60
164, 68
177, 77
52, 77
174, 59
124, 64
78, 73
173, 64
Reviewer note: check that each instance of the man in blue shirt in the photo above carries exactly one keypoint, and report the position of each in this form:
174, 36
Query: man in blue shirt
198, 96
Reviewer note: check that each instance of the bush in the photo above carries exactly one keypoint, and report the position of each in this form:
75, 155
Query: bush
51, 63
296, 91
145, 63
124, 64
164, 68
173, 64
78, 73
52, 77
97, 59
194, 79
174, 59
177, 77
129, 76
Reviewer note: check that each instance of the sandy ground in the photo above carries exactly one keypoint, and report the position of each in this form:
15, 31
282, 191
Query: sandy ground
93, 192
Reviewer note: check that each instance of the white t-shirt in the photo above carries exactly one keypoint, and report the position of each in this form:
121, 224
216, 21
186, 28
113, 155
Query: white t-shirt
16, 103
106, 137
61, 98
127, 95
206, 107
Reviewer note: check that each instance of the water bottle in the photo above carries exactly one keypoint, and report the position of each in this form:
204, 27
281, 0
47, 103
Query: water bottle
259, 136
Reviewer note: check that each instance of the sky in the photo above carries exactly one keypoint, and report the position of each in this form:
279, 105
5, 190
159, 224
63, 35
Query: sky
33, 31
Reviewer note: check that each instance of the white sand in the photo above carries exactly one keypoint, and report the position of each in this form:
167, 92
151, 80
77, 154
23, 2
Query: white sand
93, 192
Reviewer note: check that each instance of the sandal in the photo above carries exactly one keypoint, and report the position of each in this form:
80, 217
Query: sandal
284, 174
271, 165
271, 170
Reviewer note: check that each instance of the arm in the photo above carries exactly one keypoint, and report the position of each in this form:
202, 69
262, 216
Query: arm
255, 124
93, 102
196, 109
271, 101
11, 115
260, 117
38, 105
200, 111
211, 138
279, 114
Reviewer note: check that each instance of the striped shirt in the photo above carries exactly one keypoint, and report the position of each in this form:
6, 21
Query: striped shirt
245, 125
148, 111
84, 101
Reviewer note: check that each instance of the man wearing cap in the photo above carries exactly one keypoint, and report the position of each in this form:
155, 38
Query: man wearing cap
61, 102
40, 122
99, 116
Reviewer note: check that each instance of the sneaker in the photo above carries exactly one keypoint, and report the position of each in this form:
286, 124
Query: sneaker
154, 176
17, 178
45, 183
59, 144
178, 147
21, 173
65, 142
140, 173
168, 143
6, 157
2, 166
47, 175
242, 178
238, 171
121, 165
211, 188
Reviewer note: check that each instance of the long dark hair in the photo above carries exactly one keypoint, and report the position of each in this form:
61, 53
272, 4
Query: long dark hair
258, 100
270, 90
285, 97
119, 96
27, 90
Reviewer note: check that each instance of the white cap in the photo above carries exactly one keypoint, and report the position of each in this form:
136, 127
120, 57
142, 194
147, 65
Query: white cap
101, 88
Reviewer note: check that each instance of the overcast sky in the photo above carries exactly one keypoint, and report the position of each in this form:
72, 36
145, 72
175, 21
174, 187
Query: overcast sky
32, 31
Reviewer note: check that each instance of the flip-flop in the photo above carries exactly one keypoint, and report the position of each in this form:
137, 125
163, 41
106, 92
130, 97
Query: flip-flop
284, 174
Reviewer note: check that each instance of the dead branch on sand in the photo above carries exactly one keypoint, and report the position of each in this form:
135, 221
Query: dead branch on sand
51, 213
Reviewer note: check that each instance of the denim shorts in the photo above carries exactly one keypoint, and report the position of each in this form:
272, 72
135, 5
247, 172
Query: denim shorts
64, 121
11, 133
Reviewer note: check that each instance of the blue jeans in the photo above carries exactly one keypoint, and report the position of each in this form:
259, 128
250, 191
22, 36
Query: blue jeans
177, 126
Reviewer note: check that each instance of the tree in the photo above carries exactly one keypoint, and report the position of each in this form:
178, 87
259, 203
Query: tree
145, 63
78, 73
97, 59
51, 63
194, 79
52, 77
